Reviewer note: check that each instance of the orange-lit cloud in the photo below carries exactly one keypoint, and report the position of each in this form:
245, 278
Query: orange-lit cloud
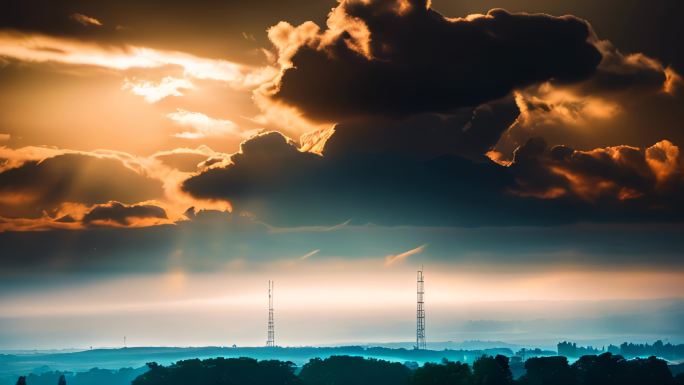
16, 157
168, 86
673, 81
314, 141
43, 48
619, 173
49, 188
85, 20
664, 160
204, 126
601, 110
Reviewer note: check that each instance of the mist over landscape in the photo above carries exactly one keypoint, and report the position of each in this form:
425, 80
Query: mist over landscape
341, 192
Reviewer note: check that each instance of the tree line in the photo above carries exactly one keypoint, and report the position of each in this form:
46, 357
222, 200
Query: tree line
604, 369
629, 350
95, 376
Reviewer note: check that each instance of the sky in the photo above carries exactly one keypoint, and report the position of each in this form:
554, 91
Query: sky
161, 161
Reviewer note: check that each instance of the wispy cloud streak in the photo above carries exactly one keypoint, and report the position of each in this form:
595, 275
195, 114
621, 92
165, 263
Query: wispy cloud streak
204, 126
397, 258
309, 254
42, 48
85, 20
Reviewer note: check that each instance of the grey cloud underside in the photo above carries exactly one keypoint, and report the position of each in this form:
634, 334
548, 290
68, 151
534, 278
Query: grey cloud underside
423, 62
468, 132
211, 240
271, 179
649, 26
122, 214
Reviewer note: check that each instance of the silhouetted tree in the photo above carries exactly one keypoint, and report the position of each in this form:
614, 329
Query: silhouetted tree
448, 373
604, 369
488, 370
609, 369
679, 379
548, 371
221, 371
94, 376
21, 380
646, 371
346, 370
572, 350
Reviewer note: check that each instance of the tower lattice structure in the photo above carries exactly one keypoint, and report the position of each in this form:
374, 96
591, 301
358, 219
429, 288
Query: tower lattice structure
420, 312
270, 341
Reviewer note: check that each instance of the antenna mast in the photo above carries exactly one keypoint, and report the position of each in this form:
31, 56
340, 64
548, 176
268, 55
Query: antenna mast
420, 313
271, 324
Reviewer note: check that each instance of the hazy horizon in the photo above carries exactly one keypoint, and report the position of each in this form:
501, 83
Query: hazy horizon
161, 161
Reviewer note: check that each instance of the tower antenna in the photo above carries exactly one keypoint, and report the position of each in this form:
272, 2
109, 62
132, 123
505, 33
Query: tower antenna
420, 313
270, 341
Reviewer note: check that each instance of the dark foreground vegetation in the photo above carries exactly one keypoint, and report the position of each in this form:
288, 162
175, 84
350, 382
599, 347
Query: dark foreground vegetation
604, 369
92, 377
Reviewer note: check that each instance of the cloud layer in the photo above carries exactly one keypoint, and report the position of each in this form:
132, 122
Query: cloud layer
401, 57
47, 188
620, 173
40, 186
420, 104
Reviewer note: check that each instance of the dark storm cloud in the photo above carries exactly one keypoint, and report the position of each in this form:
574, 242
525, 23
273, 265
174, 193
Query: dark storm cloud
122, 214
650, 26
37, 186
381, 57
618, 71
264, 161
272, 180
470, 132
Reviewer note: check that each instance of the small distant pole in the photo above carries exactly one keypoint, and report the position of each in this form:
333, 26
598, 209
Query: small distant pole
270, 341
420, 313
124, 342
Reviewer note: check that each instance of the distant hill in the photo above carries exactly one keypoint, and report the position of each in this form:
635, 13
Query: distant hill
441, 345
